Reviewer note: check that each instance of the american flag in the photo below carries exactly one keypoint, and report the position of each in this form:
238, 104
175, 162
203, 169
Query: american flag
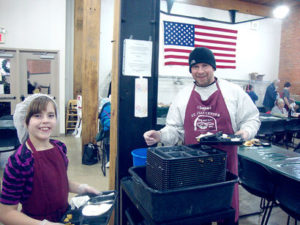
181, 38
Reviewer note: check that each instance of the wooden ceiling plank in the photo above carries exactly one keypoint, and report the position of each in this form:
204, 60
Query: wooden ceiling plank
242, 7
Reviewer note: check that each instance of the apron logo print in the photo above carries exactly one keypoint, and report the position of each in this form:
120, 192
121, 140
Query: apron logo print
205, 123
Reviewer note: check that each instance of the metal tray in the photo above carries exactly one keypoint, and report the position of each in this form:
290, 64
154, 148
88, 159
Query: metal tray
79, 219
217, 139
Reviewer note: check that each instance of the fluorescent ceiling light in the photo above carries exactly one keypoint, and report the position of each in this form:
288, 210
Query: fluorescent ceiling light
281, 11
47, 57
6, 55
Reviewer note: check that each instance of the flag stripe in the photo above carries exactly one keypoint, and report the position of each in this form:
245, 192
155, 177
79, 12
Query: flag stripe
226, 67
177, 50
186, 57
177, 63
216, 48
215, 35
189, 51
216, 29
225, 55
186, 64
215, 42
225, 61
176, 57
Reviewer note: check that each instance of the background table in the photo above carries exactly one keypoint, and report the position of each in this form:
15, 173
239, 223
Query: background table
276, 173
274, 158
285, 129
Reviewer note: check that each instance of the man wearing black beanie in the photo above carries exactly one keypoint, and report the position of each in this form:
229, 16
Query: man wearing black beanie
209, 105
202, 57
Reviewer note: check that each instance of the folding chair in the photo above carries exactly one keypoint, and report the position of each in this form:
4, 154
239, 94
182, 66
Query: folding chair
103, 139
279, 132
266, 130
297, 148
292, 126
288, 195
258, 181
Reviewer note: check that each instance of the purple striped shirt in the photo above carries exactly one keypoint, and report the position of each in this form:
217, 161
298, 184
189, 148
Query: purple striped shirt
18, 175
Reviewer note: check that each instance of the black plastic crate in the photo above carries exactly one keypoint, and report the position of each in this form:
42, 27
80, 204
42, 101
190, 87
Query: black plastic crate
182, 166
163, 205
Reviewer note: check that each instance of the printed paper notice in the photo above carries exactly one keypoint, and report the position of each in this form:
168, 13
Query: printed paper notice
1, 89
137, 58
141, 97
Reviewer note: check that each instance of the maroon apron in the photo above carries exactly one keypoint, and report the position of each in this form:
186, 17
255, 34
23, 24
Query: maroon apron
49, 197
212, 116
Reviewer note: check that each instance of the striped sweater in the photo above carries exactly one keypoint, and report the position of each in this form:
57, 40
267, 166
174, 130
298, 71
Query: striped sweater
18, 175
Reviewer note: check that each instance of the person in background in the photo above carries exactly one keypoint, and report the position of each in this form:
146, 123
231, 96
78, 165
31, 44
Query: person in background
271, 95
279, 109
104, 116
251, 93
30, 86
286, 95
6, 85
36, 174
209, 105
290, 103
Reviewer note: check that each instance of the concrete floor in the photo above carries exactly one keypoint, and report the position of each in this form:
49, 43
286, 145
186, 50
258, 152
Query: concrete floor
93, 176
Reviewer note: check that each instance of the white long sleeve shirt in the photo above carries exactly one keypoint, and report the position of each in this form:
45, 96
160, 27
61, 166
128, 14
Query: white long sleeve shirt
243, 113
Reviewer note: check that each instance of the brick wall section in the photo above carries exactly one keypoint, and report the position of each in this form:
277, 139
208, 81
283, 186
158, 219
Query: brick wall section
289, 65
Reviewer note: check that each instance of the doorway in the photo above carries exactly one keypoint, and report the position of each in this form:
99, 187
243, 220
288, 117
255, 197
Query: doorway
38, 73
8, 82
25, 72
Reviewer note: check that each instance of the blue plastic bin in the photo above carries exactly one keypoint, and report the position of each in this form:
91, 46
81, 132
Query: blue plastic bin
139, 156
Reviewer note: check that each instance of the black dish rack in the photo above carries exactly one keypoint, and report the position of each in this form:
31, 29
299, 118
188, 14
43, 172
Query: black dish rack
183, 166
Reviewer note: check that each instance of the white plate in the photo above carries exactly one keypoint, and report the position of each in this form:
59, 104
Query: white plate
95, 210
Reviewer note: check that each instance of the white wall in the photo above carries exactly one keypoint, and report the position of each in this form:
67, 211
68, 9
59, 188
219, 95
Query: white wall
106, 36
257, 50
40, 25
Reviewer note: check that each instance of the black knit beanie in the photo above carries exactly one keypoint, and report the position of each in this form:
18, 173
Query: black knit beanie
202, 55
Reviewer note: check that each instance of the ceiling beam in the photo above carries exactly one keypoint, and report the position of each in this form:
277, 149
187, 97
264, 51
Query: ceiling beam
240, 6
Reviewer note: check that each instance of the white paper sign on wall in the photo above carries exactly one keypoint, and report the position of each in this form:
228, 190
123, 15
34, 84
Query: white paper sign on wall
141, 97
137, 58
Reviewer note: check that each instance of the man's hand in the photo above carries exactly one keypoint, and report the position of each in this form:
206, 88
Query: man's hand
244, 134
84, 188
152, 137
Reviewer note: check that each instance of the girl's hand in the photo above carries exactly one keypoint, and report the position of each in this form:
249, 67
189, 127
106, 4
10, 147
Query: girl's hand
46, 222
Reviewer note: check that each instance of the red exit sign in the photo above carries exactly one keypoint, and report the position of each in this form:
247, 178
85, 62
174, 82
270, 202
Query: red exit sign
2, 35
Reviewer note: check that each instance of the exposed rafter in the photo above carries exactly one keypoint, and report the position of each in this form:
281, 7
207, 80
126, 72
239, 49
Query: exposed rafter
232, 13
170, 5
